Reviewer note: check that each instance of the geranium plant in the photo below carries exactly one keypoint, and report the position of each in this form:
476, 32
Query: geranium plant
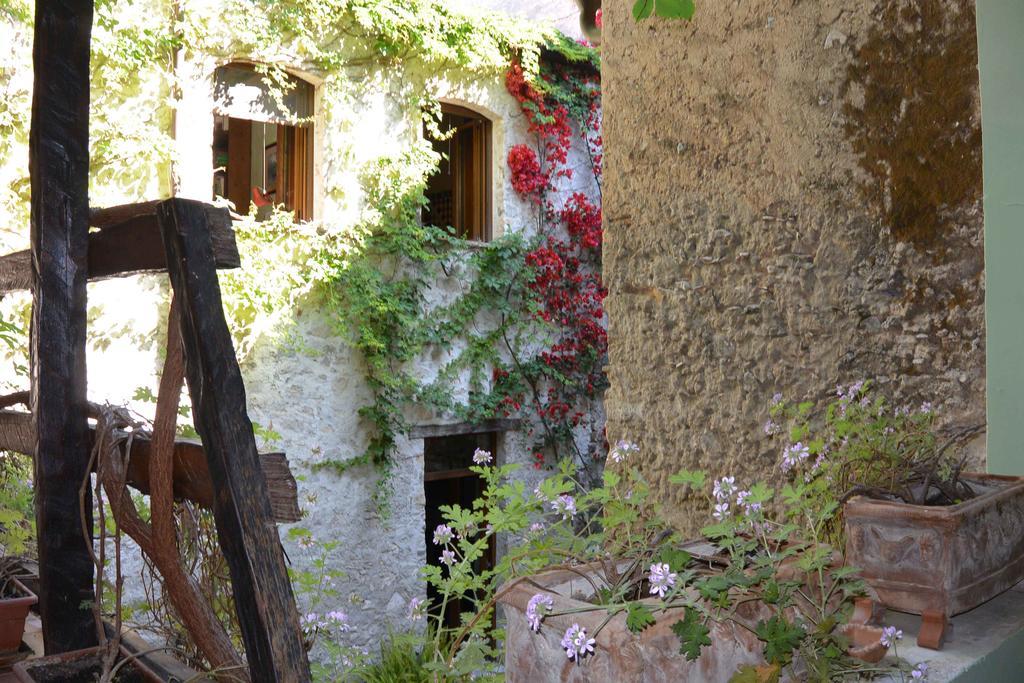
859, 444
639, 567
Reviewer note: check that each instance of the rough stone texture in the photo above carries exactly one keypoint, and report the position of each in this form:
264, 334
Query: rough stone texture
752, 245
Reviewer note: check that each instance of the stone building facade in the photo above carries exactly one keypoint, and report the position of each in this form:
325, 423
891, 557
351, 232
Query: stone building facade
794, 203
309, 392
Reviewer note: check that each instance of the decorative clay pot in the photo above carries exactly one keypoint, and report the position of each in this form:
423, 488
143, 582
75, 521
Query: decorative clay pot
651, 656
938, 561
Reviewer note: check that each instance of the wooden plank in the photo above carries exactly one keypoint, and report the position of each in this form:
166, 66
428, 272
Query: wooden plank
191, 473
432, 431
245, 528
59, 170
128, 242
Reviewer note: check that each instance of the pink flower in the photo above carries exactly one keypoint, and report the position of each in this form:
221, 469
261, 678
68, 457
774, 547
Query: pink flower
576, 644
537, 608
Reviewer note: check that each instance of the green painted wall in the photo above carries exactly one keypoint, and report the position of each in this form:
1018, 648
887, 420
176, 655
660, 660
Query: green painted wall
1001, 61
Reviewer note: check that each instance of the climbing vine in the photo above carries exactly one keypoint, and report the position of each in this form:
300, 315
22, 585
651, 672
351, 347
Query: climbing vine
523, 333
520, 289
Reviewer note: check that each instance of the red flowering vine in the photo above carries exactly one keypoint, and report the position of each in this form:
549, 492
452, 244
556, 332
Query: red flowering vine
566, 281
527, 178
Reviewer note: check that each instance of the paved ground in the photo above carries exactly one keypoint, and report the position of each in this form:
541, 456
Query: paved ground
984, 646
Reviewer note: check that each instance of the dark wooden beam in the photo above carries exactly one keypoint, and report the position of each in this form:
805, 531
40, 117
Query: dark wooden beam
245, 528
484, 427
128, 241
191, 473
59, 170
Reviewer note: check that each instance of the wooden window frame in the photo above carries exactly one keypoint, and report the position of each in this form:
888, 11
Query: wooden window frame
295, 158
486, 161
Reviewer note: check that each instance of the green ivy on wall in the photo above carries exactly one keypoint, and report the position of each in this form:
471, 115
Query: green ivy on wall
372, 276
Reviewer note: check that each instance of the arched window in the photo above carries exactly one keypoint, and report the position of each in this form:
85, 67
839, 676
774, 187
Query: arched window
263, 151
459, 193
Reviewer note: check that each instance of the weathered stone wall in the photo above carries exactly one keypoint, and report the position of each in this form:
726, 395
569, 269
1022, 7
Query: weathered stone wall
792, 200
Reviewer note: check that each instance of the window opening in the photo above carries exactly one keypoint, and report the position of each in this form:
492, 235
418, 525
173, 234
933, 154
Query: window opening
459, 192
262, 152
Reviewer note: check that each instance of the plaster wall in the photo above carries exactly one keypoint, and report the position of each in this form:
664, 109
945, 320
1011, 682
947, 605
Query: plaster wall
792, 201
309, 392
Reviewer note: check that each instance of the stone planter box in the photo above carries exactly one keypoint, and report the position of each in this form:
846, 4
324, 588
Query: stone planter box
938, 561
648, 657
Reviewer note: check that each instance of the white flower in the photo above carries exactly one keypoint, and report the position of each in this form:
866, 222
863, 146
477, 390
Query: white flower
925, 408
920, 672
622, 450
575, 642
564, 505
662, 579
721, 511
724, 487
417, 608
794, 455
482, 457
890, 634
443, 534
447, 557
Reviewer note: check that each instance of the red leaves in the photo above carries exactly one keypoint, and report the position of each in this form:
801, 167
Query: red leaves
566, 278
527, 178
583, 220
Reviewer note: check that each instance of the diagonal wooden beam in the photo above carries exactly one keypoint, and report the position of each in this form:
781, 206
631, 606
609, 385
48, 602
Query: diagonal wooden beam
191, 473
127, 242
59, 170
245, 530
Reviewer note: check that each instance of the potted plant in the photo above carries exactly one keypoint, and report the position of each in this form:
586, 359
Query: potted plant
930, 538
595, 587
15, 533
85, 666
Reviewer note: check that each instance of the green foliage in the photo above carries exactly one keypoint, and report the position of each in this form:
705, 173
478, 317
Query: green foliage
859, 444
638, 617
780, 638
692, 633
615, 537
668, 9
17, 518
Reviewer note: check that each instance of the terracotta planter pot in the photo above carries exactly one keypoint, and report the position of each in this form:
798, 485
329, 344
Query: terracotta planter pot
940, 560
651, 656
13, 612
79, 666
865, 642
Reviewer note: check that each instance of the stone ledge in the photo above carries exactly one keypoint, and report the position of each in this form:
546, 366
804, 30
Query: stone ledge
985, 644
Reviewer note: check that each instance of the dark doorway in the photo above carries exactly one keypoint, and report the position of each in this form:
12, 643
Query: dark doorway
447, 480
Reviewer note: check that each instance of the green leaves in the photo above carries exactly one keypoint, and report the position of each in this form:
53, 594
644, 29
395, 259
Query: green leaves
757, 674
667, 9
642, 9
780, 639
692, 634
638, 617
695, 479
